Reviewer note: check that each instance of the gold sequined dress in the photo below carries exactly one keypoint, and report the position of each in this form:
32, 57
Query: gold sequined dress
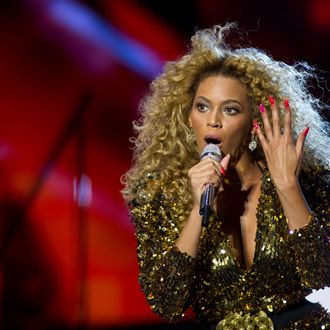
286, 266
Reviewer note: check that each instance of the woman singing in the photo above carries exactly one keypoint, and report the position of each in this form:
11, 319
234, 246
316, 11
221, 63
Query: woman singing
267, 243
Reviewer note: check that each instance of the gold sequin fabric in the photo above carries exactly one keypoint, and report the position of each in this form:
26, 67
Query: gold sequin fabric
247, 321
287, 265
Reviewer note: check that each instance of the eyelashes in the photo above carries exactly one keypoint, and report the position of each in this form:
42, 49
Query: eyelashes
201, 107
231, 110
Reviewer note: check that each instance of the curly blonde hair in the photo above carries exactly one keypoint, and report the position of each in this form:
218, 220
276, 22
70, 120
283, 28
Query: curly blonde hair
163, 146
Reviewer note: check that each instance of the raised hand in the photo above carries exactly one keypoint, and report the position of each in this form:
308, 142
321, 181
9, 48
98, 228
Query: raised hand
283, 154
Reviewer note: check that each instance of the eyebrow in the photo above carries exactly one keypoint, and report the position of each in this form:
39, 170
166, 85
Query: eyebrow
224, 102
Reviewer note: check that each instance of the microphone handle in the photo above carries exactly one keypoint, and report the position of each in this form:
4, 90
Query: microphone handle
206, 203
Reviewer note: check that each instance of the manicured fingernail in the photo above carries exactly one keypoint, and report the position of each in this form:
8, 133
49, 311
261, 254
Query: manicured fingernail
271, 100
286, 103
306, 131
222, 171
255, 124
262, 108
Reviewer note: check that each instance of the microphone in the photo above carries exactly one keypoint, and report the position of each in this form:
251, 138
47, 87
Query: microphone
207, 198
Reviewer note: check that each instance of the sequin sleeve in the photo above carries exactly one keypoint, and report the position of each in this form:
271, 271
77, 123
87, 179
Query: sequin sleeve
312, 243
166, 274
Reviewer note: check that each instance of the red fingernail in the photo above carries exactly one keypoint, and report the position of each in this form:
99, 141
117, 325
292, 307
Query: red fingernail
255, 124
271, 100
306, 131
262, 108
286, 103
222, 171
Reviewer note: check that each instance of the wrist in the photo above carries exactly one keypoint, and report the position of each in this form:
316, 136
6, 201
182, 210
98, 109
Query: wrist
195, 210
289, 185
302, 223
294, 205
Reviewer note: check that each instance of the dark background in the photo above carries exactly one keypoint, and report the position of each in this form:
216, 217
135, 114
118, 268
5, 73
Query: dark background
72, 74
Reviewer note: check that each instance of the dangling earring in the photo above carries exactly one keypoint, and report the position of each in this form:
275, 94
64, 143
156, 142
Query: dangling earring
253, 143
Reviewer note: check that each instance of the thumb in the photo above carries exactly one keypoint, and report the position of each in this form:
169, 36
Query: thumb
300, 147
223, 168
224, 162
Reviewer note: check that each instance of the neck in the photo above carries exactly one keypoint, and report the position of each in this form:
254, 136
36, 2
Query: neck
248, 171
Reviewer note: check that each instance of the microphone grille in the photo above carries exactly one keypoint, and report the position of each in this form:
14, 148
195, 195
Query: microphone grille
213, 151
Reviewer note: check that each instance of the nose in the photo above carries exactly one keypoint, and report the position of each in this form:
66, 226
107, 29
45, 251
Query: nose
213, 119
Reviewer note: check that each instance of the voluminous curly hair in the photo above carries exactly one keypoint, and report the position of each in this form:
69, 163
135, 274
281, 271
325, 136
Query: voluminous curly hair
163, 146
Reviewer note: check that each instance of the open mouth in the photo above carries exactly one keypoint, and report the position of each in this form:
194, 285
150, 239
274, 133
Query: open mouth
212, 140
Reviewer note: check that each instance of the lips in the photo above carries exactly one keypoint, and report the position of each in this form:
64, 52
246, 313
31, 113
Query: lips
212, 138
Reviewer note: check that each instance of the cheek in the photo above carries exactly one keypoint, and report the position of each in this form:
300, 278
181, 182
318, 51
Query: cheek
236, 137
196, 123
232, 144
194, 118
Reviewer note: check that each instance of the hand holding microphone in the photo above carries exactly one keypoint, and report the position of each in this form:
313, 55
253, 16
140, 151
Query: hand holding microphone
208, 196
204, 174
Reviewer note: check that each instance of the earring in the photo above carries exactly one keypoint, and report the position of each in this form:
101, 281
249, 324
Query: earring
253, 143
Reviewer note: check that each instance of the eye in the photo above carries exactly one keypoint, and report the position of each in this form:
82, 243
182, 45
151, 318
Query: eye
201, 107
231, 110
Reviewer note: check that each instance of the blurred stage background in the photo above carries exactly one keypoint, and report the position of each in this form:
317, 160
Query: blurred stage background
72, 74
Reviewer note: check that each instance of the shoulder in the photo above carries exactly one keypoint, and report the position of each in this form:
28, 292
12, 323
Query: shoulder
151, 201
144, 190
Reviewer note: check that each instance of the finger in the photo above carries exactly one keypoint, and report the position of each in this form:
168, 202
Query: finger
267, 126
199, 181
208, 171
260, 136
224, 166
299, 148
219, 167
218, 170
275, 118
200, 169
224, 163
287, 121
207, 180
206, 162
216, 167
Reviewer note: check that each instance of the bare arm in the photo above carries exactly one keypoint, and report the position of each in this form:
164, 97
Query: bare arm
189, 239
284, 158
207, 171
294, 205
